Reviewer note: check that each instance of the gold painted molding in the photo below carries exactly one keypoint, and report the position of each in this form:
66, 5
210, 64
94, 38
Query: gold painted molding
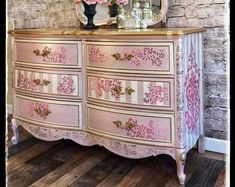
106, 32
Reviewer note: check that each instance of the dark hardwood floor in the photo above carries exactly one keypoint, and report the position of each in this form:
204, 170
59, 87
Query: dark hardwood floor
62, 163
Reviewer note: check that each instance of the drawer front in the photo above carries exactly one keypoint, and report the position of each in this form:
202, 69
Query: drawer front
48, 53
143, 92
154, 58
47, 82
47, 111
134, 125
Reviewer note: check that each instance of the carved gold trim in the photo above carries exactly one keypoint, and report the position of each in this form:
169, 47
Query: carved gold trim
108, 32
129, 140
48, 100
133, 105
125, 111
118, 57
48, 125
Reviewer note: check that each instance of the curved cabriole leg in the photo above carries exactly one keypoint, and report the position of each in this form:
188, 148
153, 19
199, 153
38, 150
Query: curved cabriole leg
180, 162
15, 138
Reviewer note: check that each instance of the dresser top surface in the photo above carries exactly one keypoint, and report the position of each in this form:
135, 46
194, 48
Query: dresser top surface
107, 32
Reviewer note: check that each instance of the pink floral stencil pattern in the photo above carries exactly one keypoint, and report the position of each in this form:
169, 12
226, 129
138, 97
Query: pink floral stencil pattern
135, 56
95, 55
58, 57
25, 82
101, 86
192, 91
148, 131
40, 108
66, 86
147, 54
156, 94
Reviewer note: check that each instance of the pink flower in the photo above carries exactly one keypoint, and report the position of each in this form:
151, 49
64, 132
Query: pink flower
122, 2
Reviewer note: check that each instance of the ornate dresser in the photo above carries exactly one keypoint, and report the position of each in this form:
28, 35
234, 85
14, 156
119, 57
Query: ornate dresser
138, 93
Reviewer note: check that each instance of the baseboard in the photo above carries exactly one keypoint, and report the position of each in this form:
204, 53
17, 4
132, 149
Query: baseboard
211, 144
9, 109
216, 145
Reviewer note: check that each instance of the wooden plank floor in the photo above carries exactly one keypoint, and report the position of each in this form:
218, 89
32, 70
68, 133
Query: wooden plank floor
62, 163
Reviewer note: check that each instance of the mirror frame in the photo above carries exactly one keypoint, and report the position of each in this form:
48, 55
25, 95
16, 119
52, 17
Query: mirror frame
157, 18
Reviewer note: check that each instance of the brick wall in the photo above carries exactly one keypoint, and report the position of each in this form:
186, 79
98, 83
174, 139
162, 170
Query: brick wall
211, 14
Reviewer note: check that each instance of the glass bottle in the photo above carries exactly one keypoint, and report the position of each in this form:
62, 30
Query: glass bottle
120, 17
137, 13
147, 12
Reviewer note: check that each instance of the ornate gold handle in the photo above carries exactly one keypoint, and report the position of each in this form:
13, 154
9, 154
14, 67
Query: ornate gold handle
44, 52
128, 125
126, 56
43, 83
117, 91
41, 109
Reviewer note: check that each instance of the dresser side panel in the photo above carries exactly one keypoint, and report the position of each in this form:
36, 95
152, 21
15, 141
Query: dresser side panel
193, 93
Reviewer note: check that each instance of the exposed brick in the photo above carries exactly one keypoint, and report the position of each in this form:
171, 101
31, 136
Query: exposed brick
216, 90
176, 11
204, 2
216, 113
215, 124
215, 66
215, 102
215, 79
216, 134
219, 1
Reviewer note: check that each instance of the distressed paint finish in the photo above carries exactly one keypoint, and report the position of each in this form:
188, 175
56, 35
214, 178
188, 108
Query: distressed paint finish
192, 91
47, 53
208, 13
179, 55
152, 92
48, 112
125, 149
150, 58
131, 126
66, 85
149, 111
48, 83
149, 131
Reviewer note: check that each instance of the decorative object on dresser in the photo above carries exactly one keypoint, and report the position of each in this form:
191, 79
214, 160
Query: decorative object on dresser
143, 91
90, 11
132, 14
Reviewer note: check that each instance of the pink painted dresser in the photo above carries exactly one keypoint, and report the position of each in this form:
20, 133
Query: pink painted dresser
138, 93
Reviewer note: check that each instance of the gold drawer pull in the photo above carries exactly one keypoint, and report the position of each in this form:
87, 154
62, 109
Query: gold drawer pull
41, 109
126, 56
117, 91
128, 125
43, 83
44, 52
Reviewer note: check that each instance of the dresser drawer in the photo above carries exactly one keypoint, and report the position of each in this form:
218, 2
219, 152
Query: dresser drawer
50, 53
150, 127
149, 93
154, 58
57, 83
48, 111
